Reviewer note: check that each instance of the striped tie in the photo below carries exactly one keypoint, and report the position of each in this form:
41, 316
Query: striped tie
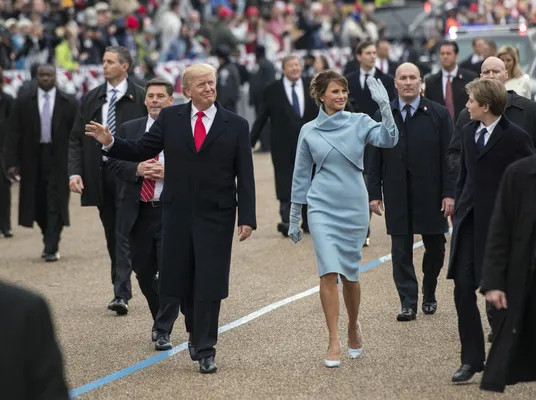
111, 112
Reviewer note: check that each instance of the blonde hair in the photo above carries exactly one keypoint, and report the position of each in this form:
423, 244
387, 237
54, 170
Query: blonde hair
194, 71
512, 52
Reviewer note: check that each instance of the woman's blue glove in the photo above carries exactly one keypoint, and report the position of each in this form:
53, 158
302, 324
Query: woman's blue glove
294, 231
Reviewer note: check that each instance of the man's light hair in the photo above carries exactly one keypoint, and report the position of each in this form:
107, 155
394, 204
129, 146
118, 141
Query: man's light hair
195, 71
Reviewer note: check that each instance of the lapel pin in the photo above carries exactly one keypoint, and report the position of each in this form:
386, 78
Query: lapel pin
425, 108
131, 97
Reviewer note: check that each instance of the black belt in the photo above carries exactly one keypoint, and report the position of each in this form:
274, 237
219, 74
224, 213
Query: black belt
153, 203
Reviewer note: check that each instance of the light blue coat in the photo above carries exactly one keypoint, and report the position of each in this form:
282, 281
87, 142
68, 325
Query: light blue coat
337, 198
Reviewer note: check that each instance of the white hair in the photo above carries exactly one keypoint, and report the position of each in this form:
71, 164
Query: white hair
194, 71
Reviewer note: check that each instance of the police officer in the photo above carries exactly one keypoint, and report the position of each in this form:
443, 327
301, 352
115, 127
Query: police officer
228, 85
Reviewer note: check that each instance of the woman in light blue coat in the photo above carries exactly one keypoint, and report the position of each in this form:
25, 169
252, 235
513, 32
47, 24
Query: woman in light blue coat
337, 198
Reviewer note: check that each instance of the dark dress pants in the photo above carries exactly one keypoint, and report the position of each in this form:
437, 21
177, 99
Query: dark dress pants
201, 320
465, 298
116, 240
146, 250
404, 271
5, 202
284, 212
47, 205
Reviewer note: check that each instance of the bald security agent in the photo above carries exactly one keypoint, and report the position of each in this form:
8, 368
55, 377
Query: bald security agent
417, 187
209, 172
519, 110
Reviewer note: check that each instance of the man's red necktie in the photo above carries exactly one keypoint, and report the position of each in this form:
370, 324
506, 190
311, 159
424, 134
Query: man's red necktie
449, 101
200, 133
147, 188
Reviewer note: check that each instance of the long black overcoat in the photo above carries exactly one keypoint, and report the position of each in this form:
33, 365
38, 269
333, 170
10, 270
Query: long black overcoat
201, 193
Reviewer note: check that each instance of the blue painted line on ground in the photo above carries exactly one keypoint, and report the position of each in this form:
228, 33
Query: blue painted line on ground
241, 321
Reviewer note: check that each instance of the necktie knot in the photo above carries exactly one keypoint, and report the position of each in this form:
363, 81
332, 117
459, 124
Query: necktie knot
46, 95
200, 114
481, 141
407, 107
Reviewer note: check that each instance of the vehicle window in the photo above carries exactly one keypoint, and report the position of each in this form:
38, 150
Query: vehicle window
522, 43
397, 21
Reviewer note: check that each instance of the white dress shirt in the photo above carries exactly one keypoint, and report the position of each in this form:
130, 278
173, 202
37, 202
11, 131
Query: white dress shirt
207, 120
51, 101
475, 58
299, 91
446, 74
362, 73
121, 91
159, 184
489, 129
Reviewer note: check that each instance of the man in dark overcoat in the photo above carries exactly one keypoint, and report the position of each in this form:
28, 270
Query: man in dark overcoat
509, 279
114, 102
418, 189
490, 143
37, 147
288, 106
447, 87
519, 110
209, 172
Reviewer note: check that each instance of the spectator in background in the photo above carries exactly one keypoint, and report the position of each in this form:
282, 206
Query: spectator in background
169, 26
221, 33
67, 51
517, 81
320, 64
228, 85
474, 61
490, 49
383, 63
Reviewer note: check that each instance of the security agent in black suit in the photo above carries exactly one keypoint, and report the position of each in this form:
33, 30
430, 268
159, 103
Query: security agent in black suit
437, 85
360, 97
519, 110
33, 369
474, 61
6, 106
418, 189
140, 208
37, 150
207, 176
288, 105
490, 143
383, 63
89, 172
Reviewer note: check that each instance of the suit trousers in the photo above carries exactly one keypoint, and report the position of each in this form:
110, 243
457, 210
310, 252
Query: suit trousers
201, 320
145, 242
465, 299
47, 204
404, 270
116, 240
5, 203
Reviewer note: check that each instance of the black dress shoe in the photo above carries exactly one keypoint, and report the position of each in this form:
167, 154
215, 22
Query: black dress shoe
207, 366
429, 307
119, 305
282, 228
7, 233
52, 257
466, 372
407, 314
163, 341
154, 334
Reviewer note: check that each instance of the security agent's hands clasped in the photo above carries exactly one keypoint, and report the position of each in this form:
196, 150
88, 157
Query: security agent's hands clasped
151, 169
377, 91
294, 231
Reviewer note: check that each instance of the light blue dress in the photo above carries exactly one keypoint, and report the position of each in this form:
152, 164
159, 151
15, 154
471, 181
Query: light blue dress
337, 198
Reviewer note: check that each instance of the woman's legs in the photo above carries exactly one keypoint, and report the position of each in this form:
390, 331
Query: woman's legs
352, 298
329, 297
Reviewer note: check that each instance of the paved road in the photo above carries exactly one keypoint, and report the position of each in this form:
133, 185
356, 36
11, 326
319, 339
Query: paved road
277, 355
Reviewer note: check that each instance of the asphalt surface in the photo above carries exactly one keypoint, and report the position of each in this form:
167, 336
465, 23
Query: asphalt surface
278, 355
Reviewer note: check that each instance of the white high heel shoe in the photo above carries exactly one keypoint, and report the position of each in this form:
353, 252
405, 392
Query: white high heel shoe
333, 363
355, 353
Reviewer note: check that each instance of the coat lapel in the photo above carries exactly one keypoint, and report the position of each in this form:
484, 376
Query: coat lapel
57, 114
185, 121
218, 126
100, 99
495, 137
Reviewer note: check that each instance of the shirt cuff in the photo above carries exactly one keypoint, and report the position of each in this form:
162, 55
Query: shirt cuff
108, 147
